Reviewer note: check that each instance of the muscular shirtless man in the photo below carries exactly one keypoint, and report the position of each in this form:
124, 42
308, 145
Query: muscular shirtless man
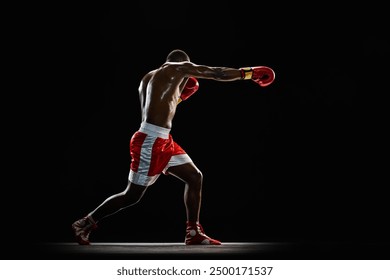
152, 148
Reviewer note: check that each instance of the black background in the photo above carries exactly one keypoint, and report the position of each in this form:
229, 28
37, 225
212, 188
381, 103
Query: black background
304, 159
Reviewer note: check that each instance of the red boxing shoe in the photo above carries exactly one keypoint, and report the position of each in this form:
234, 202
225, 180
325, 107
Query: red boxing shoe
195, 235
82, 228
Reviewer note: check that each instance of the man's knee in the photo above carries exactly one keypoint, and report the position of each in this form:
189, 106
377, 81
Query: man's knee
195, 176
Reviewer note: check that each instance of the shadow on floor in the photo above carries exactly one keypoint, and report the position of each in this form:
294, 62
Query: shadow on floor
228, 250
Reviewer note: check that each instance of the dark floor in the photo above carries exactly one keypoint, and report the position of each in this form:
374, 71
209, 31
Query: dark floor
228, 250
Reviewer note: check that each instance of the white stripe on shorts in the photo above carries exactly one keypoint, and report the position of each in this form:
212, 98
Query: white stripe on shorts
177, 160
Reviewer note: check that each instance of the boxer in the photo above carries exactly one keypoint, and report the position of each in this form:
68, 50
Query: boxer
153, 150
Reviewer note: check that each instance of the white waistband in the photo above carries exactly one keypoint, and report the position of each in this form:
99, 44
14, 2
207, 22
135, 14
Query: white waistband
154, 130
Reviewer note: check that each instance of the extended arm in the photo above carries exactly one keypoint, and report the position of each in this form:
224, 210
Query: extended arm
208, 72
262, 75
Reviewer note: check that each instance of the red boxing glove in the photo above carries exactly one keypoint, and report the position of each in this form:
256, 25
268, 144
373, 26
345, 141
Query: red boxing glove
189, 89
262, 75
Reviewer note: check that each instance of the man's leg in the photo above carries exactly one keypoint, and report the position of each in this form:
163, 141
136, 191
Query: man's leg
130, 196
193, 179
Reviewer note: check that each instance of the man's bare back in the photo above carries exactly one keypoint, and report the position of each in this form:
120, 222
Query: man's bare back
159, 92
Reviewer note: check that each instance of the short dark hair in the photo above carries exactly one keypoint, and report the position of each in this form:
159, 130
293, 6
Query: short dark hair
177, 55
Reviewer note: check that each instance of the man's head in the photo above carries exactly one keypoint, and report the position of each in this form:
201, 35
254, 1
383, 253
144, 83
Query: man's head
177, 56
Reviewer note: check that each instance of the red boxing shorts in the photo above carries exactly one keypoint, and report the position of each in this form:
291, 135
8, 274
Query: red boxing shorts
153, 151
